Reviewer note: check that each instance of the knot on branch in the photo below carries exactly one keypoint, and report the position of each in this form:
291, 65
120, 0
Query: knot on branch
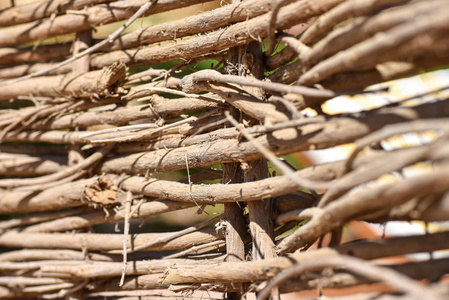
102, 192
105, 82
189, 84
112, 77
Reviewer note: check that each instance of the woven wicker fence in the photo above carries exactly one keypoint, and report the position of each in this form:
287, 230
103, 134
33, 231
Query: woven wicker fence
192, 116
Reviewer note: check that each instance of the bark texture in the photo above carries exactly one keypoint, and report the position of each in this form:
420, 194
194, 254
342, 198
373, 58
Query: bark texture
175, 159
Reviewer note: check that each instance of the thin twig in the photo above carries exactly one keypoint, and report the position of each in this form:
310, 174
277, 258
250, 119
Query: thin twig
66, 292
195, 249
396, 129
301, 182
87, 163
128, 200
44, 186
175, 235
271, 25
395, 279
287, 124
146, 133
162, 90
119, 129
188, 83
296, 45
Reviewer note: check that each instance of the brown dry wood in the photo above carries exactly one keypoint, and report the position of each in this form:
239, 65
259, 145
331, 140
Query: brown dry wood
146, 209
246, 271
439, 125
87, 163
299, 47
152, 294
147, 131
385, 72
139, 13
311, 282
339, 279
246, 103
29, 12
45, 254
271, 32
287, 73
205, 21
86, 19
159, 107
28, 116
54, 137
415, 270
39, 217
370, 200
48, 288
189, 85
13, 71
83, 220
170, 141
226, 192
284, 55
344, 11
114, 269
222, 193
63, 196
83, 40
397, 281
175, 134
249, 65
168, 85
335, 131
233, 220
169, 30
399, 246
36, 149
343, 38
428, 208
277, 60
19, 281
24, 165
270, 156
88, 85
407, 158
366, 54
357, 32
104, 242
118, 116
203, 146
38, 53
34, 265
235, 35
153, 207
395, 246
380, 296
260, 214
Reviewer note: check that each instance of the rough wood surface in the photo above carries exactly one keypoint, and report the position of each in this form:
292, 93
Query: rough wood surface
172, 160
91, 16
88, 85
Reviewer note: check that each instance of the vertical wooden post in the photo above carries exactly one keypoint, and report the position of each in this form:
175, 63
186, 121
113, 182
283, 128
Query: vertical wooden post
260, 212
260, 222
235, 223
83, 40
